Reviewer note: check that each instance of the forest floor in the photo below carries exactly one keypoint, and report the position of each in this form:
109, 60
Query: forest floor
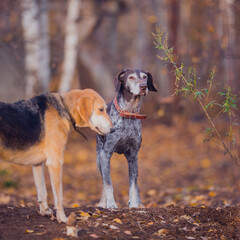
189, 188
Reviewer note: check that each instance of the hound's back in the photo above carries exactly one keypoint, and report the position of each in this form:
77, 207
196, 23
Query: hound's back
21, 122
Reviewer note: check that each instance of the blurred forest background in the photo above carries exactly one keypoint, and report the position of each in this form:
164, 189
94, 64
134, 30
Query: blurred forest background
57, 45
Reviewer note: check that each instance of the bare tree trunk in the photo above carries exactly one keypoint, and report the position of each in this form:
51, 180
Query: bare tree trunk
228, 37
71, 45
35, 25
44, 53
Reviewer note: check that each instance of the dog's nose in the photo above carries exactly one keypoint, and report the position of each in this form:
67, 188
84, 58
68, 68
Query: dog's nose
112, 130
143, 86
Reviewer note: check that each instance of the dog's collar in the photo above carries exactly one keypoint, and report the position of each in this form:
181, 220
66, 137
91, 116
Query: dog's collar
126, 114
77, 129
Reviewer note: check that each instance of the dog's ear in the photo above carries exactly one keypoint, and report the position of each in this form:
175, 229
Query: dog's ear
150, 85
85, 108
119, 80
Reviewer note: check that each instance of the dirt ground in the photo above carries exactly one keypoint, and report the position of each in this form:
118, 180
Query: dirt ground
190, 190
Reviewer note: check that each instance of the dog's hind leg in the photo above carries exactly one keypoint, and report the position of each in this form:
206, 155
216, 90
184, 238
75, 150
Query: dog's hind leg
107, 198
38, 174
55, 172
134, 195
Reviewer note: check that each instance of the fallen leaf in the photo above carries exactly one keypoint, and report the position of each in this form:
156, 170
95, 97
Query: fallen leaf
190, 237
142, 212
212, 194
75, 205
99, 212
113, 227
150, 223
29, 231
128, 232
117, 220
94, 235
84, 214
161, 232
40, 233
186, 217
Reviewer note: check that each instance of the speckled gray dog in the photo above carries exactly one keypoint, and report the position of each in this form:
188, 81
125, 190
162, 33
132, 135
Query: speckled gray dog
130, 85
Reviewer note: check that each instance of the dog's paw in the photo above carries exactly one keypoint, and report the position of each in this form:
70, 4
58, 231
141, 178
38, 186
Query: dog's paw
112, 205
102, 204
61, 218
135, 205
46, 211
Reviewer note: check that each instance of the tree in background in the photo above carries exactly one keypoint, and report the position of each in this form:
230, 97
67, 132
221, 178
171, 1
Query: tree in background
72, 31
36, 43
113, 35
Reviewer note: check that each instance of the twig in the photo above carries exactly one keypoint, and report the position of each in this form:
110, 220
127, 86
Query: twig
162, 45
140, 227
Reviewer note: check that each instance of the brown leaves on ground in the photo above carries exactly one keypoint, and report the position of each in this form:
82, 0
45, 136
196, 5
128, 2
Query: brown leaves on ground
190, 189
172, 222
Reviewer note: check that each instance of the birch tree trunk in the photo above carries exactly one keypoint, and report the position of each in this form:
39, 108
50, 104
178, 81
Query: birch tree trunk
35, 23
44, 53
71, 45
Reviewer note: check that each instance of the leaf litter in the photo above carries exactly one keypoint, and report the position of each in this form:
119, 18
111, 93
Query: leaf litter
189, 188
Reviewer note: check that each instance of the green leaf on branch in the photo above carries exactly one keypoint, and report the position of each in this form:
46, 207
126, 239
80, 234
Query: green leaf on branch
212, 103
198, 94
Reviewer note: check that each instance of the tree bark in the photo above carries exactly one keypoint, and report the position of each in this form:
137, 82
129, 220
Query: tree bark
71, 45
35, 23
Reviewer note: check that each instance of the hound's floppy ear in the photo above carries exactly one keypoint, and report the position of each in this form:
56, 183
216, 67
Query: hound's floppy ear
150, 85
119, 80
85, 108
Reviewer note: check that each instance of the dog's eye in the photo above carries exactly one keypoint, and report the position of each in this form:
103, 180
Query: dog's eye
145, 76
131, 77
101, 109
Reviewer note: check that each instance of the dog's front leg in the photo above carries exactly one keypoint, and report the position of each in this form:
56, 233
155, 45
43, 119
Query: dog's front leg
55, 172
38, 174
134, 195
107, 198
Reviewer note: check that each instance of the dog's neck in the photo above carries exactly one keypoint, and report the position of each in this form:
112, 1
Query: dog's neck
128, 102
70, 108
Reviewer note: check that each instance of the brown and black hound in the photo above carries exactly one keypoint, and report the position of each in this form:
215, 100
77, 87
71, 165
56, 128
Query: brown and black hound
35, 131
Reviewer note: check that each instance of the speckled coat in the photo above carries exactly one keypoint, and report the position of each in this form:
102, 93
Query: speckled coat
131, 85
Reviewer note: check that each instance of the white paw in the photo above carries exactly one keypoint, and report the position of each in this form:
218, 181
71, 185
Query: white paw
111, 205
61, 218
102, 204
46, 211
135, 205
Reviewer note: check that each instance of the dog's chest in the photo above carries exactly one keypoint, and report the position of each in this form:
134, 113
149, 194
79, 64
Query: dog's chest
127, 135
